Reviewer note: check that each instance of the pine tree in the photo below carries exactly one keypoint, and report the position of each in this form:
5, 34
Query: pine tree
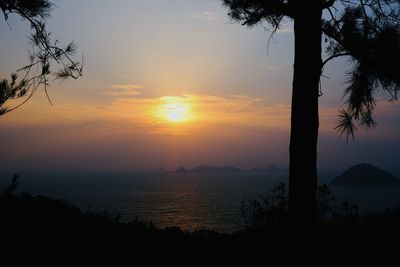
43, 54
366, 31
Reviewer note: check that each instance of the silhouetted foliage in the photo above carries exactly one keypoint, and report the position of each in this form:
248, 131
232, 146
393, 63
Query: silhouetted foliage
266, 211
331, 211
369, 32
43, 54
41, 231
366, 31
272, 210
10, 190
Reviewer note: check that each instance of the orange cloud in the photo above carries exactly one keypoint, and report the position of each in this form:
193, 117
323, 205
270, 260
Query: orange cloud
128, 86
229, 114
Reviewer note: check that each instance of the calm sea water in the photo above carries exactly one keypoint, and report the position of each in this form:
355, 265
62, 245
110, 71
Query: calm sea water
190, 201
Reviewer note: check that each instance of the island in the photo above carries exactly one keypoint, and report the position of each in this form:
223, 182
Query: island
366, 175
208, 169
181, 170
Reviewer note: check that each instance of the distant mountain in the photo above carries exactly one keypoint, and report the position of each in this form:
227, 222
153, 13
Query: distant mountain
181, 170
214, 169
366, 175
274, 168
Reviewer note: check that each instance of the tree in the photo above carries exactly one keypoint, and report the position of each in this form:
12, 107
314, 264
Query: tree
366, 31
43, 54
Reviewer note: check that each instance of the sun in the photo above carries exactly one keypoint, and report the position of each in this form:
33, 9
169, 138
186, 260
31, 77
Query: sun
175, 112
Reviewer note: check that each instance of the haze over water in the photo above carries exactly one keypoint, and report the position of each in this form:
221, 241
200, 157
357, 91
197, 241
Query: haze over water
190, 201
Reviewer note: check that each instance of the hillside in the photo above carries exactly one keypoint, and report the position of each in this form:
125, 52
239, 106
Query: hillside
366, 175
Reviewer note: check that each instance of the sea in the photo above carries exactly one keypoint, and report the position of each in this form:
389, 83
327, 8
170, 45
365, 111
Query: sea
190, 201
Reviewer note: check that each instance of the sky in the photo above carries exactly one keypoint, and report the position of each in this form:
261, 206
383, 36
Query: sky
173, 83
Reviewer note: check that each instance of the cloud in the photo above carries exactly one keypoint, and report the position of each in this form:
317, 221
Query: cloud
130, 133
228, 114
223, 115
206, 15
127, 86
124, 90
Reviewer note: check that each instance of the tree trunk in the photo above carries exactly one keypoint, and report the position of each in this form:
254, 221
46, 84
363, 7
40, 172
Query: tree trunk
304, 114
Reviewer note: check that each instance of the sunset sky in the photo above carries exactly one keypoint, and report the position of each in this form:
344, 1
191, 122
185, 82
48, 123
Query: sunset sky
170, 83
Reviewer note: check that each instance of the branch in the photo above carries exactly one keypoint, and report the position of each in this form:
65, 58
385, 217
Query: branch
334, 19
23, 102
43, 54
328, 4
367, 18
335, 56
252, 12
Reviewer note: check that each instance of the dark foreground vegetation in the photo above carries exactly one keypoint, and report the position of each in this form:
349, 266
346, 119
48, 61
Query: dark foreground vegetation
40, 231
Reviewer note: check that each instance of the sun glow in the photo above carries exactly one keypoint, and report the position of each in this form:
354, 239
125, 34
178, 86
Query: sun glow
175, 110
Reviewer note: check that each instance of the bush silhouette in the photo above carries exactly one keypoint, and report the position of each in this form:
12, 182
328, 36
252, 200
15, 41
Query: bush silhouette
272, 209
38, 230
